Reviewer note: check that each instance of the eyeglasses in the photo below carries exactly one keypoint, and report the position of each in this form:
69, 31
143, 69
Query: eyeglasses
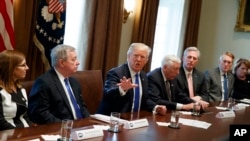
22, 65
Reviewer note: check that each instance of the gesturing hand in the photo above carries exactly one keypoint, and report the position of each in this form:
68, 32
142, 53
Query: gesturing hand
126, 84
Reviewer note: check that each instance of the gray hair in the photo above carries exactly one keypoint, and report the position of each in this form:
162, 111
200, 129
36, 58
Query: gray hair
192, 49
139, 46
226, 54
169, 60
60, 52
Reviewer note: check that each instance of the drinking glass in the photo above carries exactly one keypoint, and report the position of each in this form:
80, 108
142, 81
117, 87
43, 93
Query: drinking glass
66, 130
114, 122
174, 120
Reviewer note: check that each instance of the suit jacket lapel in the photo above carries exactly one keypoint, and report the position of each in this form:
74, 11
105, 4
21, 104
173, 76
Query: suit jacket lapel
60, 88
218, 77
183, 77
195, 80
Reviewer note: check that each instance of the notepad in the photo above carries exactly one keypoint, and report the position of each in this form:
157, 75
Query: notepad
245, 100
105, 118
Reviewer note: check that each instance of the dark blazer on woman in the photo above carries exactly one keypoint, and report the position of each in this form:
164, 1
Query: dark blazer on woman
241, 88
112, 100
48, 101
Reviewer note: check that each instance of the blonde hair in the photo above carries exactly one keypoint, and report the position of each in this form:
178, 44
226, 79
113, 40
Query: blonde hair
239, 62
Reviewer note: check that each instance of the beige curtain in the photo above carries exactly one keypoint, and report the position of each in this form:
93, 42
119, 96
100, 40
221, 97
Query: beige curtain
102, 26
192, 28
145, 22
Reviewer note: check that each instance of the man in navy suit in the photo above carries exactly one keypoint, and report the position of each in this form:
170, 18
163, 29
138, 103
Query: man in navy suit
50, 100
119, 88
199, 90
162, 87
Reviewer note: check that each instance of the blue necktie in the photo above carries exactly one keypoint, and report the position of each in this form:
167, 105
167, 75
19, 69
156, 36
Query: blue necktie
225, 87
73, 100
137, 94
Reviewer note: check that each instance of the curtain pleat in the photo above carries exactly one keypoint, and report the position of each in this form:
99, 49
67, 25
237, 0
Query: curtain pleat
145, 24
103, 25
192, 29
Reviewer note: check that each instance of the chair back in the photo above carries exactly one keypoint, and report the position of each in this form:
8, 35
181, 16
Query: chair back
92, 88
27, 85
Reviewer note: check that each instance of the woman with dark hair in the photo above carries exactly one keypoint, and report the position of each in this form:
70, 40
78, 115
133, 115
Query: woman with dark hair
13, 97
242, 79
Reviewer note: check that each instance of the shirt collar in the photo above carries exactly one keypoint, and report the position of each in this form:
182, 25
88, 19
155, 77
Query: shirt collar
186, 71
132, 73
60, 76
164, 78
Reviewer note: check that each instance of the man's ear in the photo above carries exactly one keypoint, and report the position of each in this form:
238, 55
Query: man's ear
61, 62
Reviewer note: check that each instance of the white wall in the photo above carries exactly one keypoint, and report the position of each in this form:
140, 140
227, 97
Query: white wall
216, 33
126, 37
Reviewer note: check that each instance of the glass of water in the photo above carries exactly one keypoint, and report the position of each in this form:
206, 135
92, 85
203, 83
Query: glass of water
114, 122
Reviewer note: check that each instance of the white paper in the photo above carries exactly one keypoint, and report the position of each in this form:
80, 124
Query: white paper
50, 137
245, 100
189, 122
102, 127
221, 108
35, 139
186, 113
105, 118
163, 123
242, 104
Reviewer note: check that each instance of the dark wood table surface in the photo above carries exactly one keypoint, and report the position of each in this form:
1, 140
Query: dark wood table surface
153, 132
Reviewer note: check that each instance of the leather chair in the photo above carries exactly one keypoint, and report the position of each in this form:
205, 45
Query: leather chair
27, 85
92, 87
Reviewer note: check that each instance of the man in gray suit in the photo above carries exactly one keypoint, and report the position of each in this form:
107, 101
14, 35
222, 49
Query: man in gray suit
220, 80
191, 81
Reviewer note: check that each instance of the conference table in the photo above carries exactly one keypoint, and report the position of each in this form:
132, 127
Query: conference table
218, 130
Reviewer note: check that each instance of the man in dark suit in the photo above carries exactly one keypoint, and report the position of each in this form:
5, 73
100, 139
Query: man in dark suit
191, 81
120, 85
51, 99
218, 77
162, 86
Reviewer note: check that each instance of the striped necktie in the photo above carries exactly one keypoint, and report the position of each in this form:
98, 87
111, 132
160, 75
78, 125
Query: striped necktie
168, 90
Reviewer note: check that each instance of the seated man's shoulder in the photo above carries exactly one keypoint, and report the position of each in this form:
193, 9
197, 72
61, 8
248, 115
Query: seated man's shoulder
210, 71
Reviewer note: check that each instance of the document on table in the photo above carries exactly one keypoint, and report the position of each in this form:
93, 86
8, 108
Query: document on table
105, 118
189, 122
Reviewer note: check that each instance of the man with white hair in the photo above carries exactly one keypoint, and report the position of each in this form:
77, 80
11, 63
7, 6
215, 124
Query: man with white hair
162, 85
